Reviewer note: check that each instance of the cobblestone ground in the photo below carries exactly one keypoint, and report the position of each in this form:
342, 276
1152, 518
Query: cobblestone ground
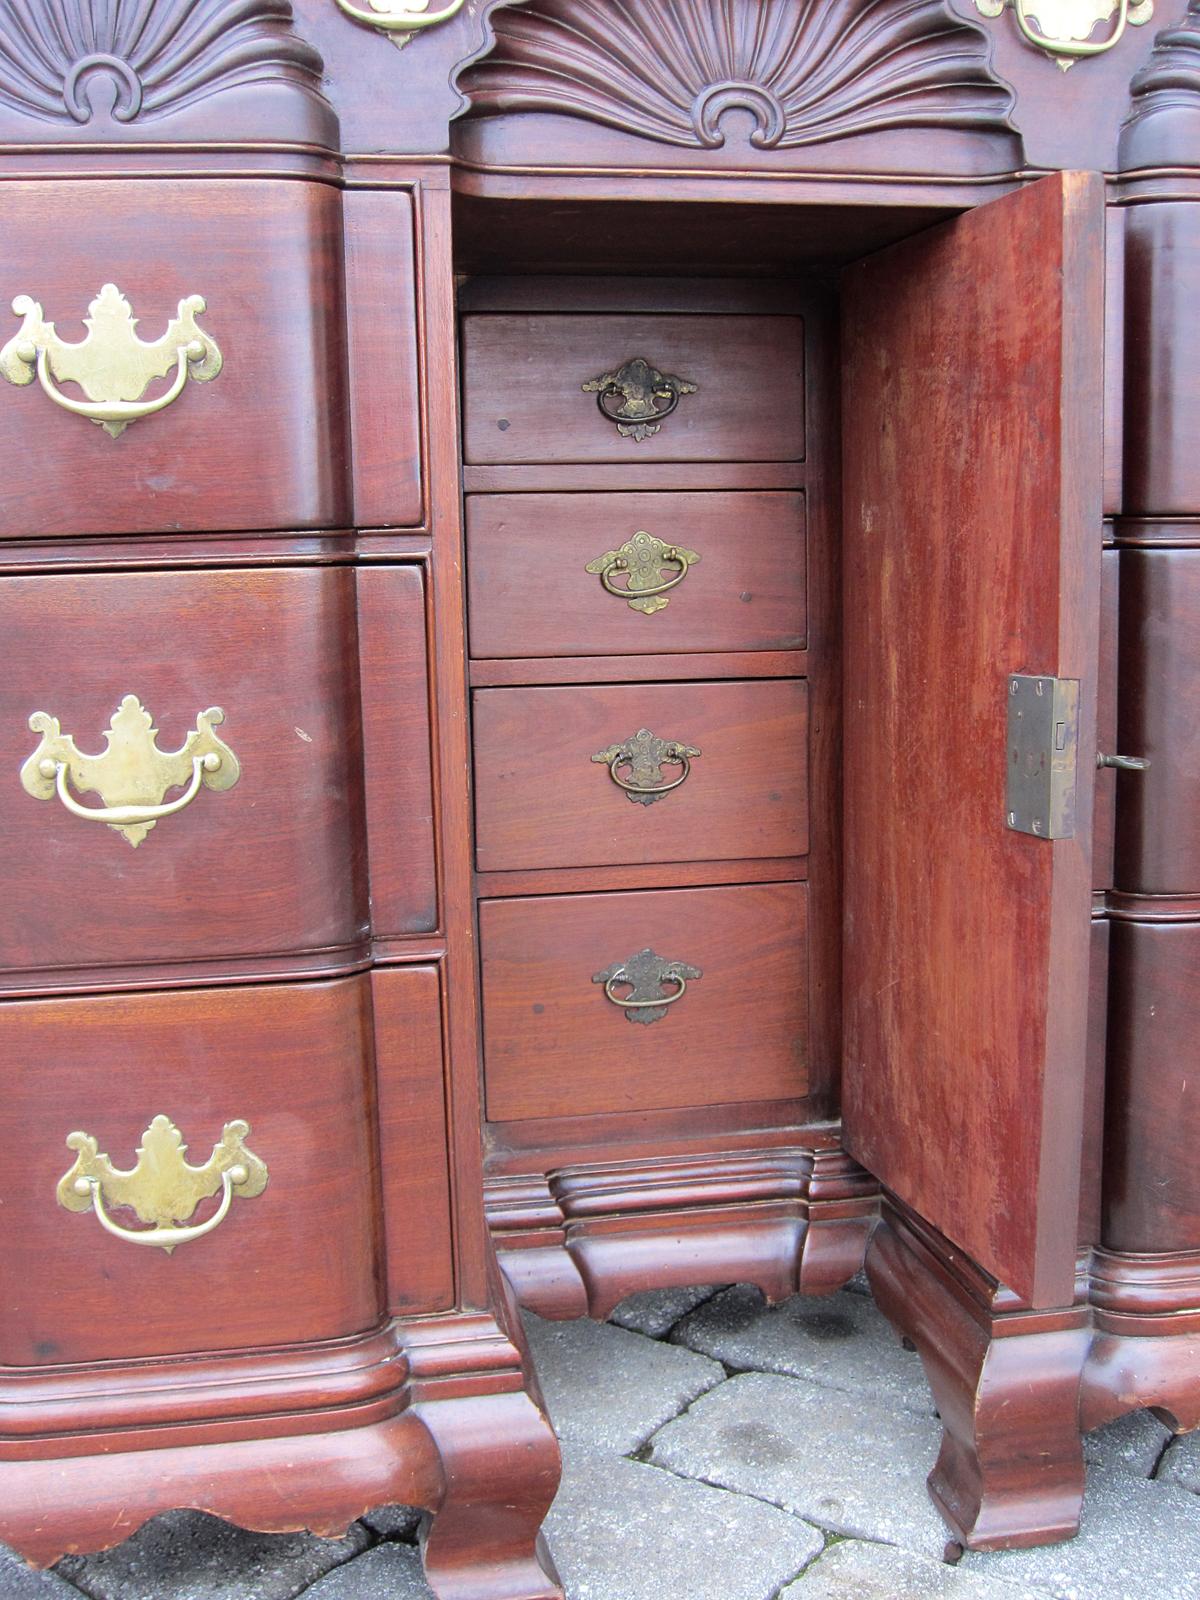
717, 1449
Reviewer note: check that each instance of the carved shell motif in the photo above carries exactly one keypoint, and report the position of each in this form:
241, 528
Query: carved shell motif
68, 61
807, 70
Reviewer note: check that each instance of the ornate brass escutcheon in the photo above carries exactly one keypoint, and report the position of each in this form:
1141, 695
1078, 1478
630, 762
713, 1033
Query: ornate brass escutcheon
162, 1188
637, 397
643, 559
644, 974
398, 20
112, 365
1062, 28
132, 775
645, 754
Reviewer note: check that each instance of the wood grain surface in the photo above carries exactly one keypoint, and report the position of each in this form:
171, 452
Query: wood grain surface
972, 503
531, 595
542, 801
554, 1045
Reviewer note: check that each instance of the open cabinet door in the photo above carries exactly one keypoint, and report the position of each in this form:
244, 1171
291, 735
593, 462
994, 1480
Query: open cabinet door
973, 359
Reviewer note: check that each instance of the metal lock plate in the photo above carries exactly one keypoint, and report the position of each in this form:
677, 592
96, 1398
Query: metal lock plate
1043, 747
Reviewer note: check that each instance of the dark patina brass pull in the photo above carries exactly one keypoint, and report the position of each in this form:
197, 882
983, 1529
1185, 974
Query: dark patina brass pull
645, 754
641, 559
645, 974
637, 396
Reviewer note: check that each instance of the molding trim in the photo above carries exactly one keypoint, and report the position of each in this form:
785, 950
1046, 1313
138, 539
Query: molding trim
575, 1241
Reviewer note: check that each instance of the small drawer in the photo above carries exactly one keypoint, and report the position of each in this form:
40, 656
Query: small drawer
128, 667
546, 388
547, 574
631, 774
557, 1045
260, 444
296, 1260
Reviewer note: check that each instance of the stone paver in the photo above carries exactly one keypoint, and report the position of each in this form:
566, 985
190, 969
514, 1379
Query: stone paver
842, 1461
186, 1555
853, 1570
610, 1388
1139, 1541
389, 1572
1181, 1464
1135, 1441
623, 1531
842, 1342
656, 1311
395, 1522
19, 1582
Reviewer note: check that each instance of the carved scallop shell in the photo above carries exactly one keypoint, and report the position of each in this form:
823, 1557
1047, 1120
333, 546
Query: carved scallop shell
157, 56
807, 70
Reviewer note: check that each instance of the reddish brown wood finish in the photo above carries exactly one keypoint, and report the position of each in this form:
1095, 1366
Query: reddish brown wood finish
1152, 1180
531, 595
577, 1241
541, 801
524, 402
382, 364
972, 460
640, 669
1162, 398
1010, 1469
414, 1166
298, 1262
554, 1045
263, 445
274, 864
1158, 842
398, 774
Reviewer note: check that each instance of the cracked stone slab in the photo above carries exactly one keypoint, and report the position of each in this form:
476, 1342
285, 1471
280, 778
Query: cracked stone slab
844, 1462
655, 1312
1135, 1442
1181, 1464
854, 1570
20, 1582
840, 1342
622, 1529
610, 1388
188, 1555
389, 1572
1138, 1539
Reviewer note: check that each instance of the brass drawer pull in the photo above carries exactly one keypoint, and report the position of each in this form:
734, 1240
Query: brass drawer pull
133, 774
637, 397
398, 20
644, 974
643, 558
645, 754
162, 1188
111, 365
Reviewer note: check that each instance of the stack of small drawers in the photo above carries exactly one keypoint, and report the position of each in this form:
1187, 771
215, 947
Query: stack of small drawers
637, 563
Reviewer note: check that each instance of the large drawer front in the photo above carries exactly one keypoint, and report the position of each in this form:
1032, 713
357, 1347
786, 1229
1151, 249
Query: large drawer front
273, 864
531, 594
298, 1261
555, 1045
543, 799
524, 380
260, 445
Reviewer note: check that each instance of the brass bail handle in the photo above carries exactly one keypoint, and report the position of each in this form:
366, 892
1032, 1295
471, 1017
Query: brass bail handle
622, 411
671, 556
644, 1005
669, 760
1024, 12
